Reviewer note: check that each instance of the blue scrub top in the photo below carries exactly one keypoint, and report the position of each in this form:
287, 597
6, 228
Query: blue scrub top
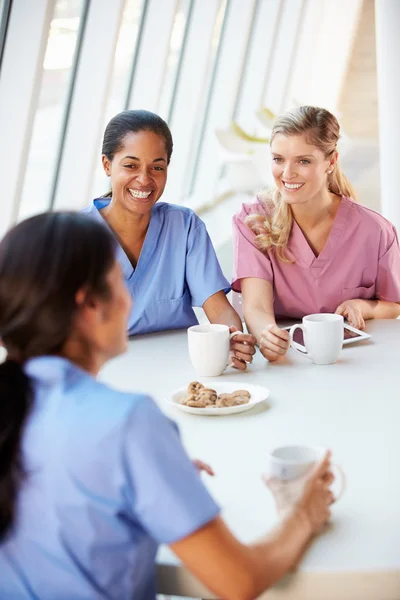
177, 269
108, 480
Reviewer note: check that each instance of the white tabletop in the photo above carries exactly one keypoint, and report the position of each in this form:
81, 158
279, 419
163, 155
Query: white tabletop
352, 407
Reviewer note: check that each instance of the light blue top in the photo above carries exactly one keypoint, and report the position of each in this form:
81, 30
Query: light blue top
177, 269
108, 480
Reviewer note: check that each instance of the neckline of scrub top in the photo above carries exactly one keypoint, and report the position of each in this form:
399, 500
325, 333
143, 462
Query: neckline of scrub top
51, 369
130, 272
301, 249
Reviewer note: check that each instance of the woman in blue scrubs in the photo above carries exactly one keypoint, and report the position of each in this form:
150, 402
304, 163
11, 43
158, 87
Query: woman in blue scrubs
87, 491
167, 258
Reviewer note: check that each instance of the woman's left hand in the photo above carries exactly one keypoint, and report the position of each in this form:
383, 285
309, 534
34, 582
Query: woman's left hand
243, 349
202, 466
351, 310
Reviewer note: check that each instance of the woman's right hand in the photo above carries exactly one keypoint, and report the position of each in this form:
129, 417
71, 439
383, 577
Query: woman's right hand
317, 497
309, 496
274, 342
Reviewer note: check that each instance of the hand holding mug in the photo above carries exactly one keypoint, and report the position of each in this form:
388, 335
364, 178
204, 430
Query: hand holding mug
274, 342
209, 348
315, 497
242, 348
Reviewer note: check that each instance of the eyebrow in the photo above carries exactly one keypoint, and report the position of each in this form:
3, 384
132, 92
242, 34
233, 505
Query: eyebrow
300, 156
136, 158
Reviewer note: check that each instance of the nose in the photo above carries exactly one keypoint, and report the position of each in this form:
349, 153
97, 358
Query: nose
288, 172
143, 177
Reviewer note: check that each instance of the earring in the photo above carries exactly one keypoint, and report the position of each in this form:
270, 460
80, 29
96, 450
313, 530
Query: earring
329, 172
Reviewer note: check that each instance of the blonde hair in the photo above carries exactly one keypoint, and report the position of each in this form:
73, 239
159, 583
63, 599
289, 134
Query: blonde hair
322, 131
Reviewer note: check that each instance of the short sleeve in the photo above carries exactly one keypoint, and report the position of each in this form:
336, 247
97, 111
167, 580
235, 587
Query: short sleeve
203, 272
387, 286
248, 261
168, 496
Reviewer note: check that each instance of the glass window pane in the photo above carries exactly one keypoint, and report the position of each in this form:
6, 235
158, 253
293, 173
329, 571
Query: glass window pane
57, 70
124, 57
174, 55
202, 121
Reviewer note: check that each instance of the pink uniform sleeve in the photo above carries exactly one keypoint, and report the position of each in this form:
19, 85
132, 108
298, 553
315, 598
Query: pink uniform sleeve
387, 285
248, 261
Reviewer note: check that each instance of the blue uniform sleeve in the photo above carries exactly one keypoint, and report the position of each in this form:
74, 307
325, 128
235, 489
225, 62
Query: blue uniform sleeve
168, 496
203, 272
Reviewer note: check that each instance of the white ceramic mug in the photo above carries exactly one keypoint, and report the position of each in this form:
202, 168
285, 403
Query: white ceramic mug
323, 337
291, 463
209, 347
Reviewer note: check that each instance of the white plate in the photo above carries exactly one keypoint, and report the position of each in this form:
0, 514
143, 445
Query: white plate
258, 394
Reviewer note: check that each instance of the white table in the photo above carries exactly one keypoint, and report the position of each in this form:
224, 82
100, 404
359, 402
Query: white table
352, 407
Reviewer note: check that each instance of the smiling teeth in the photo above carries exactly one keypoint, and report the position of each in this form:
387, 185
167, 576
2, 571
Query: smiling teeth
137, 194
292, 186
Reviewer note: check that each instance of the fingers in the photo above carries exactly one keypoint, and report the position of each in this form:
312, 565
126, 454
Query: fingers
328, 478
248, 358
274, 342
270, 355
243, 348
202, 466
239, 363
244, 338
275, 336
272, 351
282, 334
341, 310
322, 467
351, 311
355, 319
330, 498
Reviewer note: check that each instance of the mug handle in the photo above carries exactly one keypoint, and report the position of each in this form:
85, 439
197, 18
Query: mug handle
231, 335
342, 479
292, 342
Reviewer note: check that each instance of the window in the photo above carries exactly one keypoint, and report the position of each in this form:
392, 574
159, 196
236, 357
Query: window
55, 85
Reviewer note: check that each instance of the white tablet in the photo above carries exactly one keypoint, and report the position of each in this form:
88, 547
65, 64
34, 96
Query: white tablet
351, 335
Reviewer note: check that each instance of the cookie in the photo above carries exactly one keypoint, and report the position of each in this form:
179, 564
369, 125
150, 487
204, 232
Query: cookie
195, 387
196, 404
188, 398
225, 400
241, 393
207, 397
240, 400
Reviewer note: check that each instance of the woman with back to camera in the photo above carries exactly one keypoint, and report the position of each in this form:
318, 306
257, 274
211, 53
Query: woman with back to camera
87, 491
308, 247
166, 255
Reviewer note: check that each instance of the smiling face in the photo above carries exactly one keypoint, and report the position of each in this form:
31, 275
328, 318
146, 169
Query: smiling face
300, 169
138, 171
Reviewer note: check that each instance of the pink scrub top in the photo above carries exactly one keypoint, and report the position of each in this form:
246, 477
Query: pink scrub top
361, 259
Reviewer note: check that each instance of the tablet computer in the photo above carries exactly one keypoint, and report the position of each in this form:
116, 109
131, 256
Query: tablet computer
351, 335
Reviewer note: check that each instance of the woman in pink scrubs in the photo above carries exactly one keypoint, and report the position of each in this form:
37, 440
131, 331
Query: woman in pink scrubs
308, 247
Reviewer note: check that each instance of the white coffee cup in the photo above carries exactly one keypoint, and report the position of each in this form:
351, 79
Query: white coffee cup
323, 337
209, 347
291, 463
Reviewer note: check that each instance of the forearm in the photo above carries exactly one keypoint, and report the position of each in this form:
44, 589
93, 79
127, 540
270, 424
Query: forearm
219, 310
257, 319
280, 551
228, 316
238, 572
379, 309
258, 305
